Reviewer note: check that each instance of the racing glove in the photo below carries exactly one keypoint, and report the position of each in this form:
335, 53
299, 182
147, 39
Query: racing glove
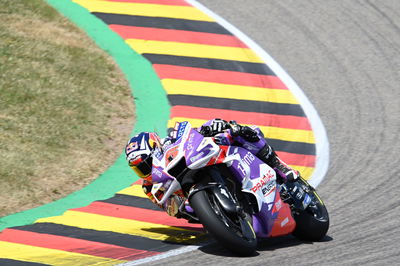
247, 133
217, 126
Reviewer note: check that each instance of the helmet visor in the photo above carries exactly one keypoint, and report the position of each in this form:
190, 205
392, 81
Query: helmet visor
143, 168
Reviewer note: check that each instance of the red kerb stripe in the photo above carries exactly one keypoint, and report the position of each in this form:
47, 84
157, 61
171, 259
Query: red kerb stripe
73, 245
252, 118
297, 159
138, 182
170, 35
218, 76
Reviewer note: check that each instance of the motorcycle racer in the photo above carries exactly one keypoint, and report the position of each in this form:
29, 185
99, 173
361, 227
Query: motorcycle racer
140, 148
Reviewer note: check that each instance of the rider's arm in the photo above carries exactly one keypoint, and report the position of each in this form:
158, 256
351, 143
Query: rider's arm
171, 205
226, 133
146, 186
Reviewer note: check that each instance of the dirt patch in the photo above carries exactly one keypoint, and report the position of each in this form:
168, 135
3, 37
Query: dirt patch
66, 108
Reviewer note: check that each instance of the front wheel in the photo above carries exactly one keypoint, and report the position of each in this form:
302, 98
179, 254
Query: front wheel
312, 224
232, 231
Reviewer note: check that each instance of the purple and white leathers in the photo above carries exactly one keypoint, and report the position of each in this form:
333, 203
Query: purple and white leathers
222, 177
192, 151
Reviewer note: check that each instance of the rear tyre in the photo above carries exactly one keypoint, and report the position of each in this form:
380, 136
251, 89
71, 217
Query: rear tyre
312, 224
223, 227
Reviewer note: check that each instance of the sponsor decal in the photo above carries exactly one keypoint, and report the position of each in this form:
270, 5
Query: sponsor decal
143, 144
181, 129
268, 188
171, 153
278, 205
190, 142
196, 157
284, 222
242, 169
167, 184
263, 182
131, 147
189, 147
156, 172
191, 137
306, 201
158, 154
299, 194
248, 158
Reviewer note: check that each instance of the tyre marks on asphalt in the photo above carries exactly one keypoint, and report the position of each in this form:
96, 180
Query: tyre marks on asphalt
206, 72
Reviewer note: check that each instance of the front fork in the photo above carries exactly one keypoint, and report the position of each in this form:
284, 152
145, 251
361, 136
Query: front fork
227, 201
296, 194
218, 187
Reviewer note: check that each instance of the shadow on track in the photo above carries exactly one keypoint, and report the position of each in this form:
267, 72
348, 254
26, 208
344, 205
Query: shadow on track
269, 244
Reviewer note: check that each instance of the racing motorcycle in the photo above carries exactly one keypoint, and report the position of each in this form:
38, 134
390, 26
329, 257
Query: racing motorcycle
233, 194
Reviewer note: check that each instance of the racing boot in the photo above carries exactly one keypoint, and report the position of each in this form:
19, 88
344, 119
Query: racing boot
284, 172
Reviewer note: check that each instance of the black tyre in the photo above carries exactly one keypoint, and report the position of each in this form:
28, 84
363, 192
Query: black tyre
312, 224
226, 229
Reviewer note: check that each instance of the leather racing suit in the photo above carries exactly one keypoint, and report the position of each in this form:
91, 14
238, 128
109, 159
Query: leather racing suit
224, 133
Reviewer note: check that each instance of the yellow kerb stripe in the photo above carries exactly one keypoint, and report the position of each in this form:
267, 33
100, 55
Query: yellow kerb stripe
28, 253
306, 172
295, 135
123, 226
218, 90
140, 9
134, 190
194, 50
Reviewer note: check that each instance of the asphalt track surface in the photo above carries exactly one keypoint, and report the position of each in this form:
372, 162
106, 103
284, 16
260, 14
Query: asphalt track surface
345, 57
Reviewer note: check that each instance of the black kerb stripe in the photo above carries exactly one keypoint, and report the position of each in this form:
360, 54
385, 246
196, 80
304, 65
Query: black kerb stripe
162, 23
9, 262
237, 105
122, 240
210, 63
292, 147
132, 201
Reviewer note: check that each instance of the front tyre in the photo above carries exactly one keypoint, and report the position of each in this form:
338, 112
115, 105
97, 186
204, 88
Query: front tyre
312, 224
234, 233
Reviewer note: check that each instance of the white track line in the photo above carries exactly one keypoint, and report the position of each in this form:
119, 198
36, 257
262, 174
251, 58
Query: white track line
322, 144
161, 256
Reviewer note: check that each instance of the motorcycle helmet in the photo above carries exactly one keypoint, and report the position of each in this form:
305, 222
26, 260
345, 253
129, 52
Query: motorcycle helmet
139, 152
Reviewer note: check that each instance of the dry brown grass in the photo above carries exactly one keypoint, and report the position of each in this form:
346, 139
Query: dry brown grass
65, 108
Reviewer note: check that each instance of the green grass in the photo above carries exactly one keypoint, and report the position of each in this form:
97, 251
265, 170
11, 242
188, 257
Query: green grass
65, 108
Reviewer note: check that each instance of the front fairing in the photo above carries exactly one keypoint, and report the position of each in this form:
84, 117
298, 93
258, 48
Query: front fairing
163, 182
259, 179
199, 150
190, 146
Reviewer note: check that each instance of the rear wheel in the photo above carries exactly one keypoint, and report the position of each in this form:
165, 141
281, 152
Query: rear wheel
312, 224
231, 230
